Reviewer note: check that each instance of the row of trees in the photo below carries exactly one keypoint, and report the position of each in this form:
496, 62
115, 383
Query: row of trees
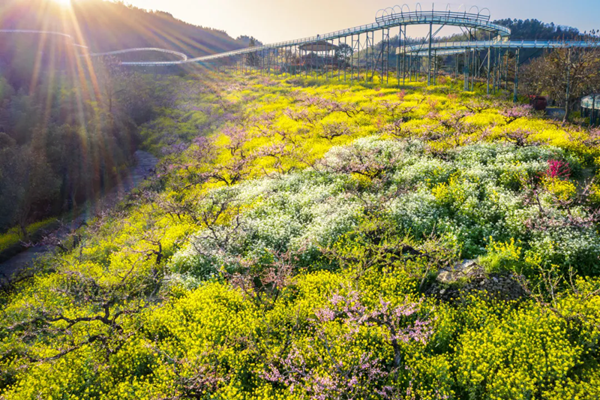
529, 29
533, 29
564, 75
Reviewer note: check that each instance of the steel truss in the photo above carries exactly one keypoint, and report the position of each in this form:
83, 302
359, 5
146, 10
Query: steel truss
321, 57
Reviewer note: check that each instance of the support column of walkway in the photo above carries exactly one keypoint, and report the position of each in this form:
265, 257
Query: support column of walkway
568, 91
489, 71
466, 70
516, 95
429, 55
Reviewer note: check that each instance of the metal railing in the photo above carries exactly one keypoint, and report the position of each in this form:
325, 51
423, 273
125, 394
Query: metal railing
464, 19
591, 101
409, 18
433, 14
44, 33
457, 47
183, 56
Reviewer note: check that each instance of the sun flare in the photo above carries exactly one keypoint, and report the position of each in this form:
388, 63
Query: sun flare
65, 3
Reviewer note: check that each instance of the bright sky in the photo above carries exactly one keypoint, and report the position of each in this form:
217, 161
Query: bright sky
277, 20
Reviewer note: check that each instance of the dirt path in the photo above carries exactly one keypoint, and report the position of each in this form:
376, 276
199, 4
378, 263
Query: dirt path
145, 162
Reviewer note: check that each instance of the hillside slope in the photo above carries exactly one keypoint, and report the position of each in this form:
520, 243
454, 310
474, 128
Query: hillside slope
106, 26
288, 246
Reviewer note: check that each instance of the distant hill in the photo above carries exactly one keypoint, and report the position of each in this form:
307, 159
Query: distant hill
533, 29
106, 26
529, 29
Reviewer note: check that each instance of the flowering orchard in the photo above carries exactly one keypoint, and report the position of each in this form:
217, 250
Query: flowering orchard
287, 246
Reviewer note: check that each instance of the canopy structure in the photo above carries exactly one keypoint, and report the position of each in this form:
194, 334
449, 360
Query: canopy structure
317, 47
591, 102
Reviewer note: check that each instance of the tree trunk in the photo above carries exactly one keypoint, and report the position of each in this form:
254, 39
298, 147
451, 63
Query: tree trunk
567, 113
568, 91
23, 228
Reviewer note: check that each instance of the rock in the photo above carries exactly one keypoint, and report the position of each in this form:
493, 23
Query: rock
468, 277
466, 269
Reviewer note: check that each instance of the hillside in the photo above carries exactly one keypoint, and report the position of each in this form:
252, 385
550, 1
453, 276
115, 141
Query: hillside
301, 240
49, 98
106, 26
533, 29
529, 29
298, 234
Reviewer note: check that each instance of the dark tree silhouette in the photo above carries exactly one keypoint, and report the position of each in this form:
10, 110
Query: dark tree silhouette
252, 58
